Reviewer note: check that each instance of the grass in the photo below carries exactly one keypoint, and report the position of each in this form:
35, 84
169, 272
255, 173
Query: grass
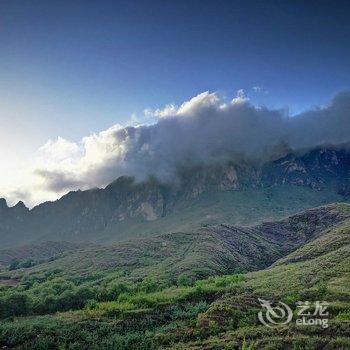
114, 309
212, 286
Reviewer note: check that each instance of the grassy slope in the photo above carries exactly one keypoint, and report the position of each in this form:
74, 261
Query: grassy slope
209, 251
317, 271
217, 313
38, 253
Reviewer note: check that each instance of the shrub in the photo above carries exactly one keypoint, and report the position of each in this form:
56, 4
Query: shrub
184, 280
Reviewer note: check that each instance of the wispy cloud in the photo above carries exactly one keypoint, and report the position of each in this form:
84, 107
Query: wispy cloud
260, 90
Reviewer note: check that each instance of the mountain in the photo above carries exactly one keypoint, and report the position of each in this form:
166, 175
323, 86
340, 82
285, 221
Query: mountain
208, 251
136, 296
202, 195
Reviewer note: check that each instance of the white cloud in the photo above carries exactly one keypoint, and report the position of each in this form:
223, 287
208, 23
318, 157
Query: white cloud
205, 129
240, 97
58, 151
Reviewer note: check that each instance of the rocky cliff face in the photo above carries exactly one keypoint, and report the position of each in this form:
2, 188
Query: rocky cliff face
82, 215
317, 169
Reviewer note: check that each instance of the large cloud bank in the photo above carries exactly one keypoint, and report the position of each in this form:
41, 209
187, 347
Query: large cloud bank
203, 130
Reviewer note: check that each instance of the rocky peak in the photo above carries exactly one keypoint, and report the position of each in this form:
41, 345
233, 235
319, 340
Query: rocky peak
3, 205
20, 207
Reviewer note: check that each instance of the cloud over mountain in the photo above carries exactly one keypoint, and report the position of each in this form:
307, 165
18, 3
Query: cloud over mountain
203, 130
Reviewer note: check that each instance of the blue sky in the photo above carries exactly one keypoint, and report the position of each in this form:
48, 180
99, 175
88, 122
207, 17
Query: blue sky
69, 68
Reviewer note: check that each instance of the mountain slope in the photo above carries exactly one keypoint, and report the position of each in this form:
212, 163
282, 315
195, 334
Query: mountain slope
34, 254
212, 250
319, 270
216, 313
200, 195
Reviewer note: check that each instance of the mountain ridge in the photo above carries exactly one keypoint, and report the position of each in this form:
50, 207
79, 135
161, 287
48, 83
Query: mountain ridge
113, 211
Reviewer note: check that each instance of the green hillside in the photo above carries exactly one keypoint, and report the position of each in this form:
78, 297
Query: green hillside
144, 300
30, 255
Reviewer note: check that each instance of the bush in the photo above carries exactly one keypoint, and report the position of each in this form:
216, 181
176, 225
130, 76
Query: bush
14, 304
184, 280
